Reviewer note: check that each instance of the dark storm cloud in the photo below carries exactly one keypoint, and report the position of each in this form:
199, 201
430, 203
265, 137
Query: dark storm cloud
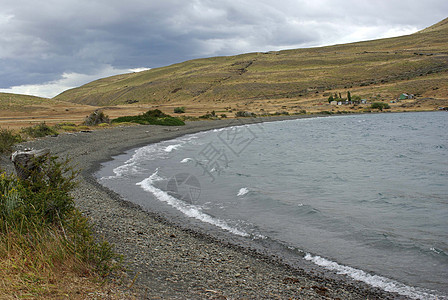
42, 40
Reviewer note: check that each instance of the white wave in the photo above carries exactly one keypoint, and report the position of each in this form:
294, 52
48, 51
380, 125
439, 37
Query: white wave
243, 191
131, 166
172, 147
384, 283
222, 129
122, 170
185, 160
150, 152
189, 210
259, 236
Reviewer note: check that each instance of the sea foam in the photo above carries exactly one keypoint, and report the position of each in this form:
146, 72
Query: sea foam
189, 210
172, 147
381, 282
242, 192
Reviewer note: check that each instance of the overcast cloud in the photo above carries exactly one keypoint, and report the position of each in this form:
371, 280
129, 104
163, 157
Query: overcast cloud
51, 45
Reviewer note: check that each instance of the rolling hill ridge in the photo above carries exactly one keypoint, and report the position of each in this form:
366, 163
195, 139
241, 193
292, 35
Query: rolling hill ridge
416, 63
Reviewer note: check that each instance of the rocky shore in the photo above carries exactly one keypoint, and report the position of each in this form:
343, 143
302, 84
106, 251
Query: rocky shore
170, 262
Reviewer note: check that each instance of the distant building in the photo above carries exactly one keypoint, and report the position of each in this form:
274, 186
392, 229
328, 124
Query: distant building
405, 96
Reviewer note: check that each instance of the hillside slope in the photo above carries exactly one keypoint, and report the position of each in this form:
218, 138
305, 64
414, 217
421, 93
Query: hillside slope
17, 101
416, 63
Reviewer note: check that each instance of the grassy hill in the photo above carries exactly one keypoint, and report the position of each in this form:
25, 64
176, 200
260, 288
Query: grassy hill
18, 102
291, 79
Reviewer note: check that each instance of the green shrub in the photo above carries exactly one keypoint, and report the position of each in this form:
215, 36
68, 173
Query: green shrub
179, 110
151, 117
8, 139
155, 113
95, 118
43, 198
42, 206
39, 130
380, 105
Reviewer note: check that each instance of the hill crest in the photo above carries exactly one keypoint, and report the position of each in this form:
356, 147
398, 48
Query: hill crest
416, 63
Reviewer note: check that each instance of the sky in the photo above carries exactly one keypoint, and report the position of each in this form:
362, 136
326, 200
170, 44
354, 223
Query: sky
49, 46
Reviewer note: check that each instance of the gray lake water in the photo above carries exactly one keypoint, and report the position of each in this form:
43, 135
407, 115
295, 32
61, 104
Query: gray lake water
365, 195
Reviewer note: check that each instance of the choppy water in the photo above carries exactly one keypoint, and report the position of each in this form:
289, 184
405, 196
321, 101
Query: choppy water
365, 195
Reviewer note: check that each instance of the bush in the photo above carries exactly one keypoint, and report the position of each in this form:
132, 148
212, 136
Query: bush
60, 125
39, 130
44, 198
8, 139
207, 116
95, 118
380, 105
356, 98
42, 207
179, 110
151, 117
281, 113
239, 114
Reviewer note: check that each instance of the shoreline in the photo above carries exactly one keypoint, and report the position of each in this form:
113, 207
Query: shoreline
172, 261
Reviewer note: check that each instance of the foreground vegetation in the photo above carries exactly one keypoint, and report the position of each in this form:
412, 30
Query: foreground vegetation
47, 247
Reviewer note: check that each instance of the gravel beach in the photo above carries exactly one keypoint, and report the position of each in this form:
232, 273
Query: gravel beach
171, 262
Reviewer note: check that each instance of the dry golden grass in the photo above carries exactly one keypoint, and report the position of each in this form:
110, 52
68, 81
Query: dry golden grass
18, 111
43, 269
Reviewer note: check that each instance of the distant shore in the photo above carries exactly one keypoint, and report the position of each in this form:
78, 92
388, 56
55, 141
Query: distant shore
168, 261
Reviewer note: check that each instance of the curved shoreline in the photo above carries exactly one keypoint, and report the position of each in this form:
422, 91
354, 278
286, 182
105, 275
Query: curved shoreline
174, 262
